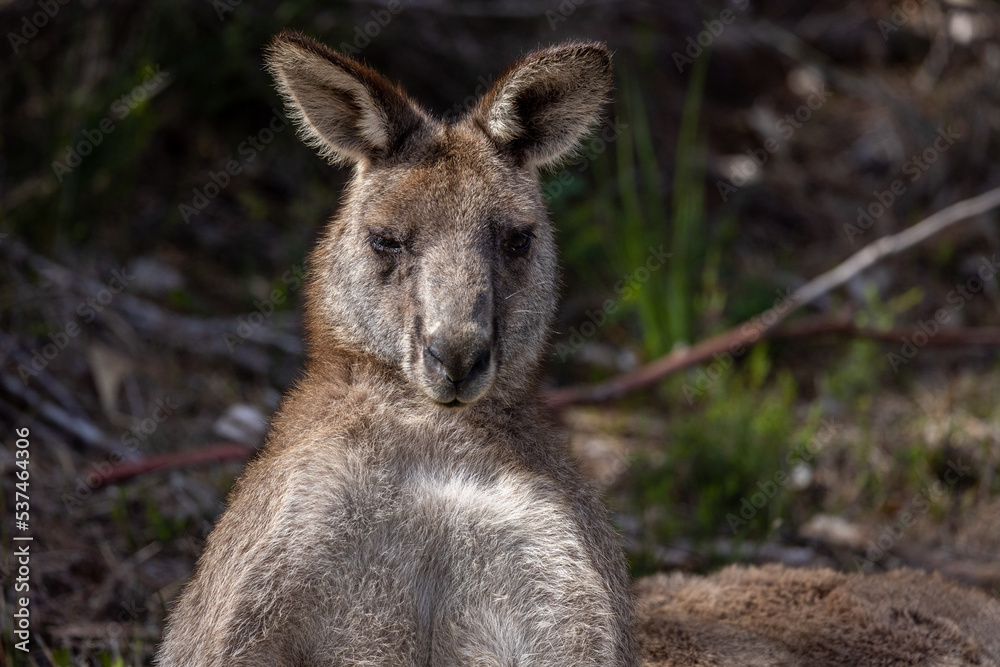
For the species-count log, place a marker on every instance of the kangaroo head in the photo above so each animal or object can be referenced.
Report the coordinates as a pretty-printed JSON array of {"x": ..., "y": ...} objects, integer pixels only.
[{"x": 441, "y": 262}]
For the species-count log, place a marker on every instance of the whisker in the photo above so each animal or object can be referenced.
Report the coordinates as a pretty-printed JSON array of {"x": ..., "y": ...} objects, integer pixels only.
[{"x": 544, "y": 283}]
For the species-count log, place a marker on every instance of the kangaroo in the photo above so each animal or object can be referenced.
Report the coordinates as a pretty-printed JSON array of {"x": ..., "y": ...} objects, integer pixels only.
[{"x": 411, "y": 505}]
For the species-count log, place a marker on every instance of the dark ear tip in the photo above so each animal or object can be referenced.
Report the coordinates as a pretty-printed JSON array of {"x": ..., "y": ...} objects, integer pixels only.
[
  {"x": 293, "y": 39},
  {"x": 600, "y": 52},
  {"x": 598, "y": 59},
  {"x": 287, "y": 37},
  {"x": 281, "y": 43},
  {"x": 596, "y": 54},
  {"x": 597, "y": 50}
]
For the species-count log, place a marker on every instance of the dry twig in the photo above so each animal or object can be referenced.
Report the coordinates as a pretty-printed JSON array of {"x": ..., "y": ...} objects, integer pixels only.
[
  {"x": 750, "y": 332},
  {"x": 219, "y": 452}
]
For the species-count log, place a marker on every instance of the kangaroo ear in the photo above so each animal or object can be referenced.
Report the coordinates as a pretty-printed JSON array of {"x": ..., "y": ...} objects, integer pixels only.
[
  {"x": 541, "y": 107},
  {"x": 347, "y": 111}
]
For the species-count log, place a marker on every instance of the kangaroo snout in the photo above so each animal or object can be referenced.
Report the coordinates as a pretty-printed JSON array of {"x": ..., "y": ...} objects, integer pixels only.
[
  {"x": 454, "y": 356},
  {"x": 456, "y": 367}
]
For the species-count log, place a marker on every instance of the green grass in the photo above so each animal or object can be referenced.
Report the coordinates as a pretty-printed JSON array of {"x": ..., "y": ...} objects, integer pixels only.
[
  {"x": 666, "y": 305},
  {"x": 722, "y": 469},
  {"x": 613, "y": 206},
  {"x": 721, "y": 454}
]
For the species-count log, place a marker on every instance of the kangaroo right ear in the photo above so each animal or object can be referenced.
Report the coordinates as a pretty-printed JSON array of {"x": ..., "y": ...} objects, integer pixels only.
[
  {"x": 345, "y": 110},
  {"x": 542, "y": 106}
]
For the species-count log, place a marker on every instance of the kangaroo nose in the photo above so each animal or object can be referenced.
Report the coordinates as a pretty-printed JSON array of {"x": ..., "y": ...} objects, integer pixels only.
[{"x": 456, "y": 364}]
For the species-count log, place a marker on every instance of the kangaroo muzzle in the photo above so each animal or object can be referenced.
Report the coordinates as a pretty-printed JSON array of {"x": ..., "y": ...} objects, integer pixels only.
[{"x": 457, "y": 362}]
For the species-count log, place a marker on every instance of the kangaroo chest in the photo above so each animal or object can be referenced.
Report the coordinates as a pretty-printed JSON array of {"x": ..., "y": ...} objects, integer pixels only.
[{"x": 454, "y": 557}]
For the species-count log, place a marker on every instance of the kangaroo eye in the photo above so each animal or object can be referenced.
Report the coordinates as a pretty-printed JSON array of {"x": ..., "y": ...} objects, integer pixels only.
[
  {"x": 518, "y": 242},
  {"x": 382, "y": 244}
]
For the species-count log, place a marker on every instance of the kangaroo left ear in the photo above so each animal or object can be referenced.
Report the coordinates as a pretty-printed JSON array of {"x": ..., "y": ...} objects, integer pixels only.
[
  {"x": 345, "y": 110},
  {"x": 542, "y": 106}
]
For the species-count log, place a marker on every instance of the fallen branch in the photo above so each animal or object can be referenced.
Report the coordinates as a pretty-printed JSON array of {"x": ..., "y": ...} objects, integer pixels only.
[
  {"x": 219, "y": 452},
  {"x": 894, "y": 244},
  {"x": 646, "y": 375},
  {"x": 742, "y": 336}
]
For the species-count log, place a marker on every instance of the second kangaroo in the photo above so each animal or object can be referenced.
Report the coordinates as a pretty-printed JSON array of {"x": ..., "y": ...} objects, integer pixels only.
[{"x": 412, "y": 505}]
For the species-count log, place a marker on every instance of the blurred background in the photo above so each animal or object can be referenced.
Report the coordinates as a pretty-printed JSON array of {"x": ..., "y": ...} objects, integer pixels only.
[{"x": 155, "y": 209}]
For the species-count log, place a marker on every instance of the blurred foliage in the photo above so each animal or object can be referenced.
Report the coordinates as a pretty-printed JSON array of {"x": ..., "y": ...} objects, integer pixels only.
[
  {"x": 629, "y": 205},
  {"x": 719, "y": 454},
  {"x": 742, "y": 460}
]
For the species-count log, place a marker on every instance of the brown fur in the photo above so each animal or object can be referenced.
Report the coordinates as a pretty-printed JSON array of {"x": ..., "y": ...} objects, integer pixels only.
[
  {"x": 411, "y": 505},
  {"x": 744, "y": 617}
]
